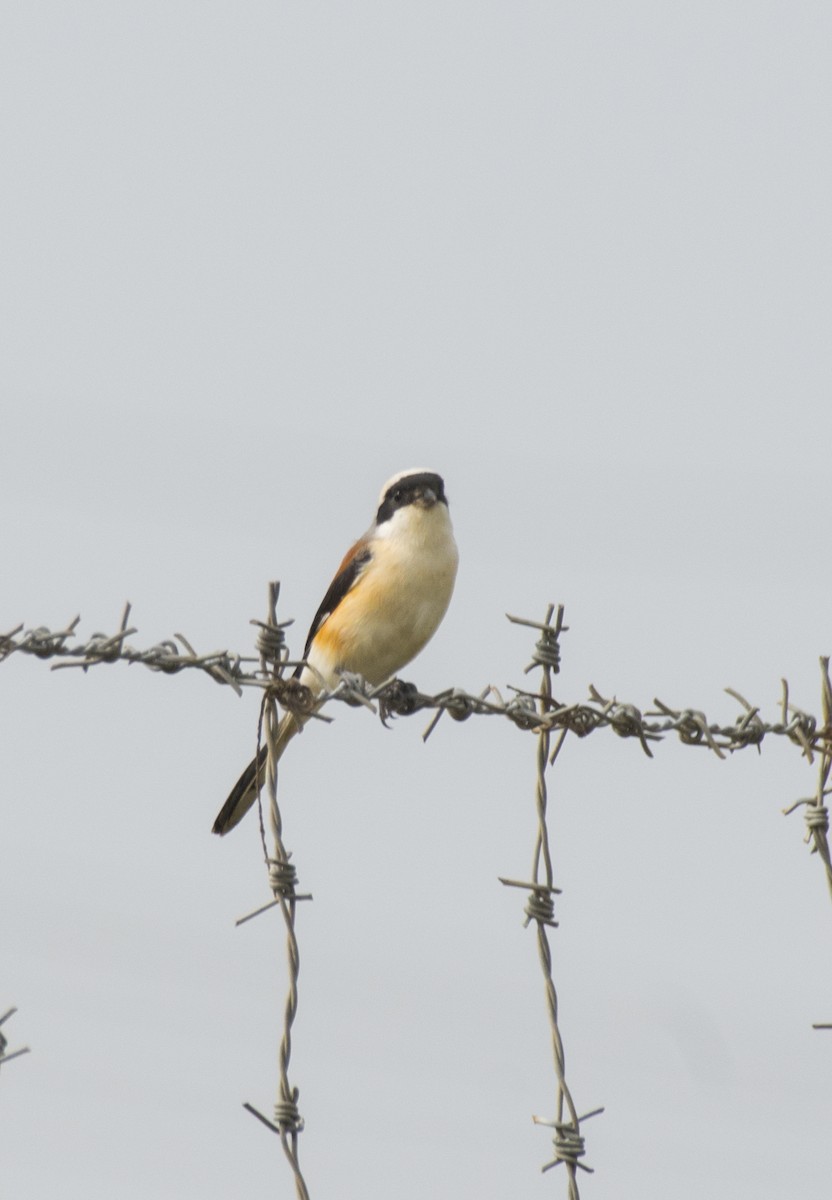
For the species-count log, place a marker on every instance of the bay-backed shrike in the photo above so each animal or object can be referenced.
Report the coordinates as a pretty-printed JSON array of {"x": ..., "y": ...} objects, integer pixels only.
[{"x": 383, "y": 606}]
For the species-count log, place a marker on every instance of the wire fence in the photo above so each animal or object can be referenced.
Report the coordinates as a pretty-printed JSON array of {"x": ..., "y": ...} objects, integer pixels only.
[{"x": 535, "y": 711}]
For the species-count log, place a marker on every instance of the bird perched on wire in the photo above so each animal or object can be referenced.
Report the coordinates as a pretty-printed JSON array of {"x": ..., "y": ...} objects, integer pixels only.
[{"x": 383, "y": 606}]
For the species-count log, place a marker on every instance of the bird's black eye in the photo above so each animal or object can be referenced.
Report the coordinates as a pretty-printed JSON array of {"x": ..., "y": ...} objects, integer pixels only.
[{"x": 397, "y": 495}]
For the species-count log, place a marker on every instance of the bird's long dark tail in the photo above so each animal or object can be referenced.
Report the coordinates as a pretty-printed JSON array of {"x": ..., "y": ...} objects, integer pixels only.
[{"x": 247, "y": 787}]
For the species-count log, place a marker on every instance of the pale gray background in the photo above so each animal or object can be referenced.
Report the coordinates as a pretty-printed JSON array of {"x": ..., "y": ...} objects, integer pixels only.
[{"x": 255, "y": 259}]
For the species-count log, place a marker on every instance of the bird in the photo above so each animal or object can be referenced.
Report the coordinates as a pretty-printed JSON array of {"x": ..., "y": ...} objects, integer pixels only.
[{"x": 387, "y": 600}]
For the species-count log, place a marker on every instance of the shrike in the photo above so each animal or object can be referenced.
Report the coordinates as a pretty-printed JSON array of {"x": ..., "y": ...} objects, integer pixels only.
[{"x": 383, "y": 606}]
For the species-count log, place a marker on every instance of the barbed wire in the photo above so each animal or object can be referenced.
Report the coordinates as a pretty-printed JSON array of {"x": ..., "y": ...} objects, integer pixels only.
[
  {"x": 288, "y": 1123},
  {"x": 528, "y": 710},
  {"x": 567, "y": 1140},
  {"x": 538, "y": 712}
]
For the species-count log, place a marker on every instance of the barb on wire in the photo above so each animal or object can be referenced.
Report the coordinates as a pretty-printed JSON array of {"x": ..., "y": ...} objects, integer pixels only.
[
  {"x": 4, "y": 1057},
  {"x": 816, "y": 813},
  {"x": 546, "y": 652}
]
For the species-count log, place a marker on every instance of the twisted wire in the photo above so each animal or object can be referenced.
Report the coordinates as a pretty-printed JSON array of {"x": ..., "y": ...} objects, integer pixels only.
[{"x": 399, "y": 699}]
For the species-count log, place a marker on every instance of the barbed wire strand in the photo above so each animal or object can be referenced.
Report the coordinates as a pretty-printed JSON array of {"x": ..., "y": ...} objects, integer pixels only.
[
  {"x": 4, "y": 1057},
  {"x": 288, "y": 1123},
  {"x": 567, "y": 1140},
  {"x": 403, "y": 699}
]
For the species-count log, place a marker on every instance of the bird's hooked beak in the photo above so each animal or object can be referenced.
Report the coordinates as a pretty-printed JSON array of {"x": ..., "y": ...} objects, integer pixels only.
[{"x": 427, "y": 497}]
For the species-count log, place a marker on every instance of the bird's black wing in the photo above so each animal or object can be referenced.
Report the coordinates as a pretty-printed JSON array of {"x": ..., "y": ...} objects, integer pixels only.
[{"x": 346, "y": 577}]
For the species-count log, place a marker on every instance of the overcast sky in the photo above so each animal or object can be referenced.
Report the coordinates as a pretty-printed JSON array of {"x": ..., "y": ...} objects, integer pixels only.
[{"x": 255, "y": 260}]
